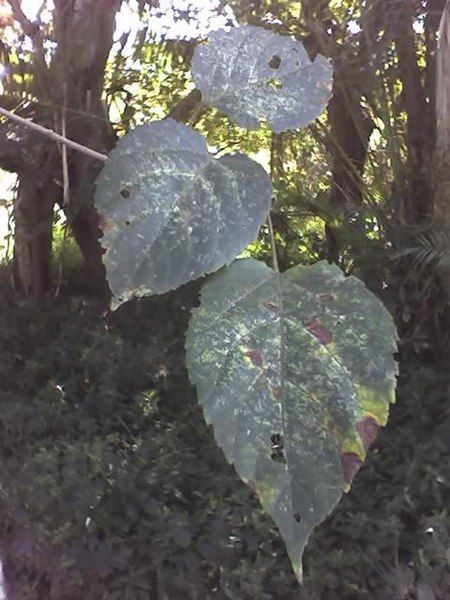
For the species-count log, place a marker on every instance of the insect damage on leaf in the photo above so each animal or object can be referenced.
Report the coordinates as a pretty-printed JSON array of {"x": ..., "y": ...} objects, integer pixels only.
[
  {"x": 367, "y": 429},
  {"x": 320, "y": 332},
  {"x": 171, "y": 212},
  {"x": 253, "y": 75},
  {"x": 298, "y": 424},
  {"x": 350, "y": 465},
  {"x": 255, "y": 357}
]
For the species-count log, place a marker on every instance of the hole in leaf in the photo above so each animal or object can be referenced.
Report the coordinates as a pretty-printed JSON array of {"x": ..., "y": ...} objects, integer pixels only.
[
  {"x": 297, "y": 517},
  {"x": 278, "y": 456},
  {"x": 127, "y": 222},
  {"x": 275, "y": 83},
  {"x": 275, "y": 62},
  {"x": 276, "y": 439},
  {"x": 125, "y": 193}
]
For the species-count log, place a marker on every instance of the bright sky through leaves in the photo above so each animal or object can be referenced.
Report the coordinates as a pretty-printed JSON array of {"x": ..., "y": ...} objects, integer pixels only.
[{"x": 174, "y": 19}]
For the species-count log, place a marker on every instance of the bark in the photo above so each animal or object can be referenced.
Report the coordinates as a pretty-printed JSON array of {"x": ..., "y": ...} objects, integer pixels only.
[
  {"x": 350, "y": 130},
  {"x": 187, "y": 106},
  {"x": 73, "y": 82},
  {"x": 418, "y": 200},
  {"x": 442, "y": 154},
  {"x": 33, "y": 240},
  {"x": 442, "y": 164},
  {"x": 350, "y": 127}
]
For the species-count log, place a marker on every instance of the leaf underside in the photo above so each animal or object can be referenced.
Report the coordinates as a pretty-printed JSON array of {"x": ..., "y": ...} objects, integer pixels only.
[
  {"x": 296, "y": 373},
  {"x": 252, "y": 74},
  {"x": 171, "y": 212}
]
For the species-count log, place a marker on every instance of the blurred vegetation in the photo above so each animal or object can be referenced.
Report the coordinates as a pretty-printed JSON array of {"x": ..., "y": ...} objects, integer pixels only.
[{"x": 112, "y": 486}]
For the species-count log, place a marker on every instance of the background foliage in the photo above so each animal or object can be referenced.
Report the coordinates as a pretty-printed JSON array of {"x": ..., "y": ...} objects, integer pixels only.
[{"x": 112, "y": 486}]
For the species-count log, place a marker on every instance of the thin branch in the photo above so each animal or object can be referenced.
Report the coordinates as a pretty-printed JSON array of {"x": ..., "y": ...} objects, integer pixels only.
[
  {"x": 184, "y": 109},
  {"x": 40, "y": 11},
  {"x": 65, "y": 163},
  {"x": 53, "y": 135},
  {"x": 33, "y": 31},
  {"x": 273, "y": 244},
  {"x": 28, "y": 27}
]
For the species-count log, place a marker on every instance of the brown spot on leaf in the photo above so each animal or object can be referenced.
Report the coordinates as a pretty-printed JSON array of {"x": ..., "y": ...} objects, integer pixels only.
[
  {"x": 272, "y": 306},
  {"x": 320, "y": 332},
  {"x": 367, "y": 430},
  {"x": 252, "y": 485},
  {"x": 255, "y": 356},
  {"x": 104, "y": 223},
  {"x": 350, "y": 463},
  {"x": 325, "y": 297},
  {"x": 276, "y": 392},
  {"x": 331, "y": 426}
]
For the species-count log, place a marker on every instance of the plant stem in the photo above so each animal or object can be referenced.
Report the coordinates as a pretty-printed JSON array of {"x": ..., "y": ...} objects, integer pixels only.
[
  {"x": 53, "y": 135},
  {"x": 273, "y": 244}
]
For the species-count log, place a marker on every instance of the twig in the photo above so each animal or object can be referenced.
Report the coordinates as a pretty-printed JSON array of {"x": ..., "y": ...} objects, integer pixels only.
[
  {"x": 53, "y": 135},
  {"x": 65, "y": 165},
  {"x": 66, "y": 187},
  {"x": 28, "y": 27},
  {"x": 40, "y": 11},
  {"x": 273, "y": 244},
  {"x": 33, "y": 31},
  {"x": 184, "y": 109}
]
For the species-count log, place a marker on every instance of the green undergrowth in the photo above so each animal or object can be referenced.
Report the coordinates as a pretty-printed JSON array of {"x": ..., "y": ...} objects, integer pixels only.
[{"x": 112, "y": 486}]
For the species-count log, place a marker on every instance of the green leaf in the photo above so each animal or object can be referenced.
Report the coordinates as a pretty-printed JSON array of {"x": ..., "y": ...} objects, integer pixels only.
[
  {"x": 296, "y": 374},
  {"x": 171, "y": 212},
  {"x": 251, "y": 74}
]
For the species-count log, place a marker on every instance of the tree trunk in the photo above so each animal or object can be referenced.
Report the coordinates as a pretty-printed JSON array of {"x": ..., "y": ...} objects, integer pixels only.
[
  {"x": 350, "y": 130},
  {"x": 442, "y": 154},
  {"x": 418, "y": 200},
  {"x": 33, "y": 214},
  {"x": 72, "y": 82}
]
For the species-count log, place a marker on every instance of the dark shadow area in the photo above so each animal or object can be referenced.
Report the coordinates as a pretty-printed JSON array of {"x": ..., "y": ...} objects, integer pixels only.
[{"x": 113, "y": 487}]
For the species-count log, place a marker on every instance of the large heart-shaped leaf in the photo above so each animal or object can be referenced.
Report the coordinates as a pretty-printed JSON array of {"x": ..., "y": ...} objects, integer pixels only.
[
  {"x": 296, "y": 373},
  {"x": 251, "y": 74},
  {"x": 171, "y": 212}
]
